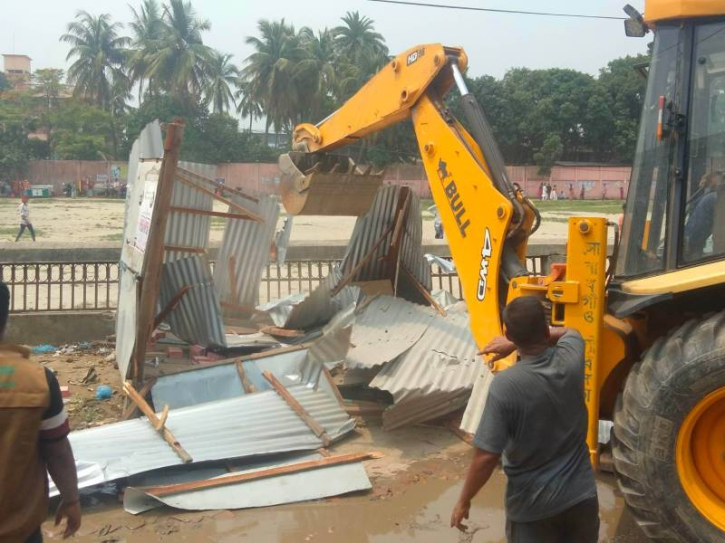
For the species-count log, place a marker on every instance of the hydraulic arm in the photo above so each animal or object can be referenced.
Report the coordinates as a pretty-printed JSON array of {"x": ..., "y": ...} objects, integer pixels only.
[{"x": 486, "y": 218}]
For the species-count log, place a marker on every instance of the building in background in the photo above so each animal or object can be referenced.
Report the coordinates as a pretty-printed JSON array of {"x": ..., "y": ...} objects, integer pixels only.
[{"x": 17, "y": 69}]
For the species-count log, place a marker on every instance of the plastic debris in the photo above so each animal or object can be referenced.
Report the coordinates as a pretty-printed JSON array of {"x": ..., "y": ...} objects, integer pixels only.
[
  {"x": 44, "y": 349},
  {"x": 104, "y": 392}
]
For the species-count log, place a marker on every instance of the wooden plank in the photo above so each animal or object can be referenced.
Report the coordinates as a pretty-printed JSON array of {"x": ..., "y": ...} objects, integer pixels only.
[
  {"x": 297, "y": 408},
  {"x": 281, "y": 332},
  {"x": 211, "y": 213},
  {"x": 262, "y": 474},
  {"x": 196, "y": 250},
  {"x": 176, "y": 300},
  {"x": 155, "y": 422},
  {"x": 422, "y": 290},
  {"x": 131, "y": 409},
  {"x": 362, "y": 408},
  {"x": 154, "y": 252},
  {"x": 248, "y": 387},
  {"x": 396, "y": 242},
  {"x": 232, "y": 205},
  {"x": 183, "y": 172},
  {"x": 335, "y": 390},
  {"x": 162, "y": 419},
  {"x": 367, "y": 258}
]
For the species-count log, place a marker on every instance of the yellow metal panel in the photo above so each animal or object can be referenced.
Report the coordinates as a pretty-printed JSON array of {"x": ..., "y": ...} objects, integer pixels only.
[
  {"x": 474, "y": 214},
  {"x": 659, "y": 10},
  {"x": 383, "y": 101},
  {"x": 683, "y": 280},
  {"x": 585, "y": 264}
]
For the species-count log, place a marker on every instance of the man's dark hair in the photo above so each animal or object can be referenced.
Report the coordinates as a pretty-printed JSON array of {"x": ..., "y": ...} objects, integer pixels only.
[
  {"x": 525, "y": 320},
  {"x": 4, "y": 307}
]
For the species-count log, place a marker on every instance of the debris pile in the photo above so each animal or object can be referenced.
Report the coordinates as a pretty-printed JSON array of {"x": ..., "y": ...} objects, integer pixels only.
[{"x": 238, "y": 399}]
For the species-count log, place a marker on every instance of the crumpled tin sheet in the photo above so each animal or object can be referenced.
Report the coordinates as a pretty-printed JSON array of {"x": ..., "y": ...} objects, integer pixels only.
[
  {"x": 247, "y": 243},
  {"x": 370, "y": 228},
  {"x": 242, "y": 427},
  {"x": 187, "y": 229},
  {"x": 314, "y": 484},
  {"x": 197, "y": 318},
  {"x": 442, "y": 364},
  {"x": 384, "y": 329}
]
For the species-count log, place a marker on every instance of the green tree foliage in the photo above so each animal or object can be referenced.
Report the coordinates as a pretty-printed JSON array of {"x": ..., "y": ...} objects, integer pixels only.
[
  {"x": 82, "y": 132},
  {"x": 97, "y": 72},
  {"x": 4, "y": 83},
  {"x": 221, "y": 76},
  {"x": 549, "y": 152},
  {"x": 17, "y": 122}
]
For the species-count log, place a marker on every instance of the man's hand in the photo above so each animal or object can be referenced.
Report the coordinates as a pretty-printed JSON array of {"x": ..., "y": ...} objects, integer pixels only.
[
  {"x": 460, "y": 512},
  {"x": 499, "y": 347},
  {"x": 72, "y": 514}
]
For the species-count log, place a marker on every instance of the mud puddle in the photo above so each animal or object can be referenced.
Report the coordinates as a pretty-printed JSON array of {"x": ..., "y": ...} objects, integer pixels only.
[{"x": 418, "y": 513}]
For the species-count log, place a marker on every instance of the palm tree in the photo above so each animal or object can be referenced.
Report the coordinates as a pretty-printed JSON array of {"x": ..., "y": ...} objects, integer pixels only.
[
  {"x": 99, "y": 54},
  {"x": 270, "y": 72},
  {"x": 179, "y": 62},
  {"x": 146, "y": 27},
  {"x": 220, "y": 76},
  {"x": 316, "y": 73},
  {"x": 247, "y": 105},
  {"x": 357, "y": 38}
]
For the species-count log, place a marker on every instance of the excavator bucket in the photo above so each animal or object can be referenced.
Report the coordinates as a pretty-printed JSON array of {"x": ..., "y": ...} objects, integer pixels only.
[{"x": 319, "y": 184}]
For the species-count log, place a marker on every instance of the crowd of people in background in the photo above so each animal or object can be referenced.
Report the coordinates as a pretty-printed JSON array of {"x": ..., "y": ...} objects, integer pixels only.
[{"x": 547, "y": 191}]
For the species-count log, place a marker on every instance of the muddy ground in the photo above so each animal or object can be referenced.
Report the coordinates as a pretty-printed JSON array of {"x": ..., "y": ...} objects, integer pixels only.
[
  {"x": 415, "y": 485},
  {"x": 101, "y": 220}
]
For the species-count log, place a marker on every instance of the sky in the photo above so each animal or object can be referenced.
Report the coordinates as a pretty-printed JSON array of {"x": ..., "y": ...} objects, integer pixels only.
[{"x": 494, "y": 42}]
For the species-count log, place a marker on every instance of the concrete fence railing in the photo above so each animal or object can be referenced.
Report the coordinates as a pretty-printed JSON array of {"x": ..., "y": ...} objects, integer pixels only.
[{"x": 62, "y": 278}]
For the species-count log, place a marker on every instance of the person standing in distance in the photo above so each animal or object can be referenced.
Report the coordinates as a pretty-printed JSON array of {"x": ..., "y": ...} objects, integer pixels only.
[
  {"x": 33, "y": 443},
  {"x": 535, "y": 416},
  {"x": 24, "y": 212}
]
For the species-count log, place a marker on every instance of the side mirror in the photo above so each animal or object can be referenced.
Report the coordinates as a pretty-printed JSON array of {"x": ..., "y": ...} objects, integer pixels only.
[{"x": 634, "y": 29}]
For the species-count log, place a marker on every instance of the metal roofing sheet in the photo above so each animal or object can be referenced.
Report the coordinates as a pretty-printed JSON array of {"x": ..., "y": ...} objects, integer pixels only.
[
  {"x": 187, "y": 229},
  {"x": 384, "y": 329},
  {"x": 289, "y": 488},
  {"x": 443, "y": 360},
  {"x": 435, "y": 376},
  {"x": 254, "y": 424},
  {"x": 477, "y": 402},
  {"x": 247, "y": 244},
  {"x": 369, "y": 228},
  {"x": 197, "y": 318},
  {"x": 420, "y": 407}
]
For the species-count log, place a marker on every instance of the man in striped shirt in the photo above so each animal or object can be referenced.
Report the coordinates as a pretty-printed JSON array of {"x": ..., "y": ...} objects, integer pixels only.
[{"x": 33, "y": 441}]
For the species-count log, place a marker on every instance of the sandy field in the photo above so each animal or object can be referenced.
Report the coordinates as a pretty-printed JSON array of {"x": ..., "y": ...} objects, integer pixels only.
[
  {"x": 415, "y": 486},
  {"x": 90, "y": 220}
]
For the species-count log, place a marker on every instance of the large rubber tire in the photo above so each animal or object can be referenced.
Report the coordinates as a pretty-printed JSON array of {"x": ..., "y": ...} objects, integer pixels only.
[{"x": 677, "y": 372}]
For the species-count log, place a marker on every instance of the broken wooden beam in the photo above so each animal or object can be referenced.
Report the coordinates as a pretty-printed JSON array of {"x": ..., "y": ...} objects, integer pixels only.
[
  {"x": 246, "y": 216},
  {"x": 176, "y": 300},
  {"x": 183, "y": 172},
  {"x": 424, "y": 292},
  {"x": 298, "y": 467},
  {"x": 162, "y": 419},
  {"x": 132, "y": 408},
  {"x": 156, "y": 422},
  {"x": 248, "y": 387},
  {"x": 297, "y": 408},
  {"x": 201, "y": 188},
  {"x": 335, "y": 390}
]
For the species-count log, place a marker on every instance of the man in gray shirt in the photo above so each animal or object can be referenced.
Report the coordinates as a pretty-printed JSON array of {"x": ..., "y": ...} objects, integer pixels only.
[{"x": 536, "y": 417}]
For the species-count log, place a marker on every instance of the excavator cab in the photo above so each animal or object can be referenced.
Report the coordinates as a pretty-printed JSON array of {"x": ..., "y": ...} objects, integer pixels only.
[{"x": 668, "y": 440}]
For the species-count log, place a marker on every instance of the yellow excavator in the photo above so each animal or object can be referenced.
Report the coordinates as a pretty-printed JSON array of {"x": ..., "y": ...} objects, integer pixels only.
[{"x": 653, "y": 317}]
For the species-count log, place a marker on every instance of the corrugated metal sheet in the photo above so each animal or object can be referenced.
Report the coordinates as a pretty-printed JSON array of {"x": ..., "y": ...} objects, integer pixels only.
[
  {"x": 384, "y": 329},
  {"x": 254, "y": 424},
  {"x": 419, "y": 407},
  {"x": 477, "y": 402},
  {"x": 149, "y": 146},
  {"x": 187, "y": 229},
  {"x": 248, "y": 243},
  {"x": 197, "y": 318},
  {"x": 318, "y": 307},
  {"x": 290, "y": 488},
  {"x": 208, "y": 171},
  {"x": 443, "y": 361},
  {"x": 368, "y": 230}
]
